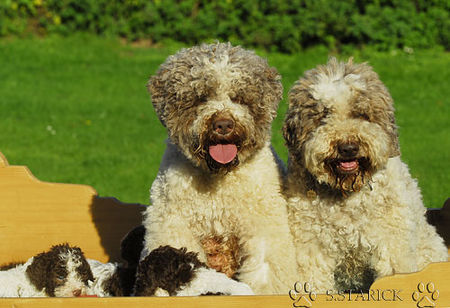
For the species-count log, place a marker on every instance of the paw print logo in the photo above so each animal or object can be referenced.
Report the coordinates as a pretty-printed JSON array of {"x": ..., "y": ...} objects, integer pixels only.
[
  {"x": 425, "y": 296},
  {"x": 302, "y": 295}
]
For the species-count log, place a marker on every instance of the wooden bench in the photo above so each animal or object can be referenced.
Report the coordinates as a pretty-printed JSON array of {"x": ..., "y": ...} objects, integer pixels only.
[{"x": 35, "y": 215}]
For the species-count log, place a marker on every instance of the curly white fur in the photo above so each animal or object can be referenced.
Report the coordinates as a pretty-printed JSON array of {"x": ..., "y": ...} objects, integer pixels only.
[
  {"x": 102, "y": 272},
  {"x": 15, "y": 283},
  {"x": 189, "y": 202},
  {"x": 209, "y": 281},
  {"x": 347, "y": 235}
]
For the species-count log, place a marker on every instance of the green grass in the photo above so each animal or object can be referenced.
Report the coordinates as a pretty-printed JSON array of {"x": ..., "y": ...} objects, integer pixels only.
[{"x": 76, "y": 110}]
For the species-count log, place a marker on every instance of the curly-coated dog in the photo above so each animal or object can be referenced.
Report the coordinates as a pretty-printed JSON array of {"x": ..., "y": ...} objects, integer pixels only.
[
  {"x": 168, "y": 271},
  {"x": 355, "y": 212},
  {"x": 218, "y": 190},
  {"x": 62, "y": 272}
]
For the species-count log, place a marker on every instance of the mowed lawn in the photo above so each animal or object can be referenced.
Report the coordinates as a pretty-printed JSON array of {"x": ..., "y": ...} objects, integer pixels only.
[{"x": 76, "y": 110}]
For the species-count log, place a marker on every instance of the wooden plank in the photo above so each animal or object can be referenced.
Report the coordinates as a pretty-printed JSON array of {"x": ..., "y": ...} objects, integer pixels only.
[{"x": 36, "y": 215}]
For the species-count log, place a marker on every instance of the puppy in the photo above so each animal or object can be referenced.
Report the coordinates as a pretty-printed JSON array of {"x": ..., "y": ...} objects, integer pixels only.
[
  {"x": 62, "y": 272},
  {"x": 355, "y": 212},
  {"x": 168, "y": 271},
  {"x": 219, "y": 181}
]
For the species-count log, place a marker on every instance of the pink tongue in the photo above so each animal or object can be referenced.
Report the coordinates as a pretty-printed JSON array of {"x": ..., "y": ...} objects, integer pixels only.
[
  {"x": 223, "y": 153},
  {"x": 349, "y": 165}
]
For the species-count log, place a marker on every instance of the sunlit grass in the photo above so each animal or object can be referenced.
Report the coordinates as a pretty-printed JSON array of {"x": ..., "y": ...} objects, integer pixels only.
[{"x": 76, "y": 110}]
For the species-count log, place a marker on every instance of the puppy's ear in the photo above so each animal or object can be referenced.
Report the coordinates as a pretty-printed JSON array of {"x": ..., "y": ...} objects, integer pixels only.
[
  {"x": 84, "y": 269},
  {"x": 37, "y": 271}
]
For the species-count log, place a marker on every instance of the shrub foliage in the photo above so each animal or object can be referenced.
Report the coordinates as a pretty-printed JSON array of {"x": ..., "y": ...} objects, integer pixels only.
[{"x": 277, "y": 25}]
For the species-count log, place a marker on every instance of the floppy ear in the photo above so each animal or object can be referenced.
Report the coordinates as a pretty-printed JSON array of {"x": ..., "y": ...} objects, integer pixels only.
[
  {"x": 381, "y": 108},
  {"x": 291, "y": 127},
  {"x": 385, "y": 116},
  {"x": 393, "y": 133},
  {"x": 273, "y": 92},
  {"x": 156, "y": 87},
  {"x": 37, "y": 271},
  {"x": 290, "y": 130},
  {"x": 84, "y": 269}
]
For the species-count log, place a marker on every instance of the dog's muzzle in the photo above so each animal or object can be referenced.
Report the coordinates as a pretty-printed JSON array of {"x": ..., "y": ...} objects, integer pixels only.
[{"x": 348, "y": 162}]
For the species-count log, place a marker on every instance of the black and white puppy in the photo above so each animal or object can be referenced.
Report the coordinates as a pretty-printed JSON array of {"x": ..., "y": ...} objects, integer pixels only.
[
  {"x": 62, "y": 272},
  {"x": 168, "y": 271}
]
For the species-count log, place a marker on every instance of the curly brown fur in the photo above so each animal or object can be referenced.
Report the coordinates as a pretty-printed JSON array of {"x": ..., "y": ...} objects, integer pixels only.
[
  {"x": 222, "y": 254},
  {"x": 167, "y": 268},
  {"x": 360, "y": 98},
  {"x": 48, "y": 271},
  {"x": 187, "y": 85}
]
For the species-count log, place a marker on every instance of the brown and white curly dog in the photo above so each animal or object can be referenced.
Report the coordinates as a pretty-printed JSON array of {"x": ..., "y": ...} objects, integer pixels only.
[
  {"x": 355, "y": 212},
  {"x": 218, "y": 190}
]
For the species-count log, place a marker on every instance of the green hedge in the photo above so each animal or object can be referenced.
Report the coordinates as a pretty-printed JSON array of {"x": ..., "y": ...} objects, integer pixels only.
[{"x": 281, "y": 25}]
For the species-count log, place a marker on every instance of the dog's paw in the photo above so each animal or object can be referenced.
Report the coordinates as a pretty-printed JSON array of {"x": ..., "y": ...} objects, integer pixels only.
[
  {"x": 208, "y": 281},
  {"x": 238, "y": 288}
]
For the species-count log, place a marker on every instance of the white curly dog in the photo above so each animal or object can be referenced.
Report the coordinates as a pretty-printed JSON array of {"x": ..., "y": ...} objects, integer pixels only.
[
  {"x": 355, "y": 212},
  {"x": 218, "y": 190}
]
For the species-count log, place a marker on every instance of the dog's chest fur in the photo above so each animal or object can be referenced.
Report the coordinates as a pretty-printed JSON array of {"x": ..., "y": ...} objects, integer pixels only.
[
  {"x": 347, "y": 233},
  {"x": 214, "y": 203},
  {"x": 348, "y": 228}
]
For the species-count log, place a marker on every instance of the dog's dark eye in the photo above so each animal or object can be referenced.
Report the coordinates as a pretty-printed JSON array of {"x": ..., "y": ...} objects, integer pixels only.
[
  {"x": 60, "y": 279},
  {"x": 237, "y": 100},
  {"x": 363, "y": 116},
  {"x": 202, "y": 99}
]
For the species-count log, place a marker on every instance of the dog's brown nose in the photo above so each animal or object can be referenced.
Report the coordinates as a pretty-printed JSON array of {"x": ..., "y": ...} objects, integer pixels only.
[
  {"x": 223, "y": 126},
  {"x": 348, "y": 150},
  {"x": 76, "y": 292}
]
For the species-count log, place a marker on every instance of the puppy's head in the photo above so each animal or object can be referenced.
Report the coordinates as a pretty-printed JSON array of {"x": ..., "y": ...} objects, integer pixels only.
[
  {"x": 340, "y": 125},
  {"x": 62, "y": 271},
  {"x": 217, "y": 103},
  {"x": 165, "y": 268}
]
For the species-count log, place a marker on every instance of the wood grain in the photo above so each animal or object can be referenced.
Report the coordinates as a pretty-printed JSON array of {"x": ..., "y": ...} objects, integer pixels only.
[{"x": 36, "y": 215}]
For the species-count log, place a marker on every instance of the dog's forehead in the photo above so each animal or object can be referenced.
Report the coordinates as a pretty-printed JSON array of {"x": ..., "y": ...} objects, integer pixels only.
[
  {"x": 71, "y": 258},
  {"x": 224, "y": 72},
  {"x": 336, "y": 89}
]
